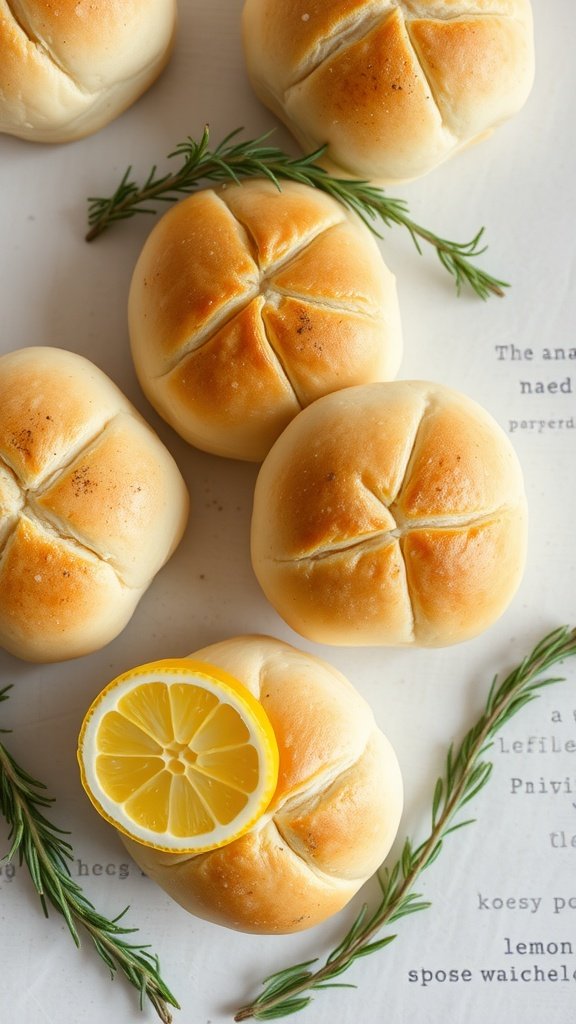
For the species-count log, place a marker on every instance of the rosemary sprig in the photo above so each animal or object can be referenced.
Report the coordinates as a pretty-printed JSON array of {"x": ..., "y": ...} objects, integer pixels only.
[
  {"x": 38, "y": 843},
  {"x": 467, "y": 772},
  {"x": 232, "y": 161}
]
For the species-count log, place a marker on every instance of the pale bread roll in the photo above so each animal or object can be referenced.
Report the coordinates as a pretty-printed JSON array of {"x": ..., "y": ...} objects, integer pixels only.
[
  {"x": 390, "y": 514},
  {"x": 334, "y": 815},
  {"x": 91, "y": 505},
  {"x": 68, "y": 68},
  {"x": 393, "y": 88},
  {"x": 249, "y": 302}
]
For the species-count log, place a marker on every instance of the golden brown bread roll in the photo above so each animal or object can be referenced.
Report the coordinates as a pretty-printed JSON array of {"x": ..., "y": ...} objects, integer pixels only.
[
  {"x": 247, "y": 303},
  {"x": 390, "y": 514},
  {"x": 393, "y": 88},
  {"x": 334, "y": 815},
  {"x": 91, "y": 505},
  {"x": 67, "y": 69}
]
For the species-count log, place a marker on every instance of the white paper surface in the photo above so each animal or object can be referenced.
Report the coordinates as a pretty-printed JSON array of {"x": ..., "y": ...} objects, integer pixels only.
[{"x": 503, "y": 891}]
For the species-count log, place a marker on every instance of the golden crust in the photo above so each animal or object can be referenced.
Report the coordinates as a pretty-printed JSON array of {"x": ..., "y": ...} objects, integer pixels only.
[
  {"x": 38, "y": 430},
  {"x": 301, "y": 333},
  {"x": 69, "y": 68},
  {"x": 379, "y": 79},
  {"x": 91, "y": 505},
  {"x": 459, "y": 465},
  {"x": 460, "y": 578},
  {"x": 248, "y": 303},
  {"x": 255, "y": 884},
  {"x": 320, "y": 828},
  {"x": 340, "y": 268},
  {"x": 489, "y": 53},
  {"x": 291, "y": 35},
  {"x": 194, "y": 267},
  {"x": 57, "y": 600},
  {"x": 357, "y": 596},
  {"x": 114, "y": 494},
  {"x": 334, "y": 815},
  {"x": 235, "y": 379},
  {"x": 280, "y": 222},
  {"x": 390, "y": 514},
  {"x": 392, "y": 89}
]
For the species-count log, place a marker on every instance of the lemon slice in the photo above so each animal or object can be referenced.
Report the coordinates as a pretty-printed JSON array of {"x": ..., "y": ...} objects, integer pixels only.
[{"x": 178, "y": 755}]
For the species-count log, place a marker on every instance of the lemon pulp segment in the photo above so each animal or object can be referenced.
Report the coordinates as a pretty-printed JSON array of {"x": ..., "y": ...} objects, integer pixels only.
[{"x": 179, "y": 756}]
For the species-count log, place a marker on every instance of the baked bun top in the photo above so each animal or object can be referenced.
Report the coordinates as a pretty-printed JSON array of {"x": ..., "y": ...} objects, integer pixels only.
[
  {"x": 67, "y": 69},
  {"x": 248, "y": 303},
  {"x": 91, "y": 505},
  {"x": 333, "y": 817},
  {"x": 393, "y": 88},
  {"x": 390, "y": 514}
]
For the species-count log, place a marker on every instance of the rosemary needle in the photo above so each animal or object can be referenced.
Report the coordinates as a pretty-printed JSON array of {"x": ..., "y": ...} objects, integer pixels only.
[
  {"x": 38, "y": 843},
  {"x": 467, "y": 772},
  {"x": 232, "y": 160}
]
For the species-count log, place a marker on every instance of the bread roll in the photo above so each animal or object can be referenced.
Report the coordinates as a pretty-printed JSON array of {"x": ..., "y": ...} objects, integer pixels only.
[
  {"x": 390, "y": 514},
  {"x": 393, "y": 89},
  {"x": 91, "y": 505},
  {"x": 334, "y": 815},
  {"x": 68, "y": 68},
  {"x": 248, "y": 302}
]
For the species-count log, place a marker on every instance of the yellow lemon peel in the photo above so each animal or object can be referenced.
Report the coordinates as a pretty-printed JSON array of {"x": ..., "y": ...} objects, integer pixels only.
[{"x": 178, "y": 755}]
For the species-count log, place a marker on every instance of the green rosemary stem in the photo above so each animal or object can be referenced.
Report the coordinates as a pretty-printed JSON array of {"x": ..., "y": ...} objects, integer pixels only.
[
  {"x": 465, "y": 775},
  {"x": 231, "y": 161},
  {"x": 38, "y": 844}
]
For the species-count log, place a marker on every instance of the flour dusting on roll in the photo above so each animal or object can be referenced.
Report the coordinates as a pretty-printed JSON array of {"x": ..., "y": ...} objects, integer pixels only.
[
  {"x": 390, "y": 514},
  {"x": 392, "y": 88},
  {"x": 334, "y": 815}
]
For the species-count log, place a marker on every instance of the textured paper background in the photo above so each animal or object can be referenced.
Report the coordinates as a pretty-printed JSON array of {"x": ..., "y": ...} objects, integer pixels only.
[{"x": 57, "y": 290}]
